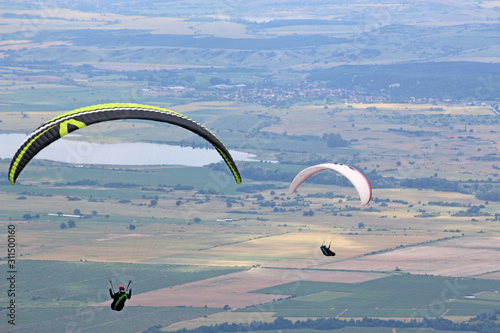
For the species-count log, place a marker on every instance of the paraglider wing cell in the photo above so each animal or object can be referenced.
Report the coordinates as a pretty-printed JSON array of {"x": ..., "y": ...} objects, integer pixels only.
[
  {"x": 358, "y": 179},
  {"x": 68, "y": 122}
]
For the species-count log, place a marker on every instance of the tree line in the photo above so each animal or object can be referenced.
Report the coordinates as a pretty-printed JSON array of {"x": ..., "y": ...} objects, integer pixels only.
[
  {"x": 487, "y": 191},
  {"x": 483, "y": 323}
]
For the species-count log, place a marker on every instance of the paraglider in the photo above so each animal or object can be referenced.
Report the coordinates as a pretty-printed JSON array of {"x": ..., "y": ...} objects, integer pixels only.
[
  {"x": 358, "y": 179},
  {"x": 120, "y": 297},
  {"x": 71, "y": 121},
  {"x": 326, "y": 250},
  {"x": 66, "y": 123}
]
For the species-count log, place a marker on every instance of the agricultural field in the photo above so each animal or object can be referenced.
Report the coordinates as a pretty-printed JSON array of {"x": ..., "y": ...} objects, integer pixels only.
[
  {"x": 411, "y": 237},
  {"x": 382, "y": 87}
]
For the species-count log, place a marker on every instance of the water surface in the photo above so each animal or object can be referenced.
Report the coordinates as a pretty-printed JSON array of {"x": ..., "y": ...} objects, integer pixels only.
[{"x": 135, "y": 153}]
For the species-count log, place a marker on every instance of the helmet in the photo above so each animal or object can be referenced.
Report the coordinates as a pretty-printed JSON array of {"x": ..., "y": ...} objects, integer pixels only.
[{"x": 122, "y": 287}]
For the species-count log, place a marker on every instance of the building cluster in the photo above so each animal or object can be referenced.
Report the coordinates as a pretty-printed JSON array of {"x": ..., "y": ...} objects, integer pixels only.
[{"x": 279, "y": 96}]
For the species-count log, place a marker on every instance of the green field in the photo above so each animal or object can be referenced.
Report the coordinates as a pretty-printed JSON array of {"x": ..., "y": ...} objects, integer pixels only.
[
  {"x": 98, "y": 319},
  {"x": 68, "y": 294},
  {"x": 405, "y": 296}
]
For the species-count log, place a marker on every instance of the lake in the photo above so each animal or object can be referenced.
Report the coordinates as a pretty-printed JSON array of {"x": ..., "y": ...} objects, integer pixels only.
[{"x": 136, "y": 153}]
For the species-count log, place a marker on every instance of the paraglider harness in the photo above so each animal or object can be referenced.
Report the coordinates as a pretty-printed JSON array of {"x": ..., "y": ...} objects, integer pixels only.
[
  {"x": 119, "y": 298},
  {"x": 326, "y": 250}
]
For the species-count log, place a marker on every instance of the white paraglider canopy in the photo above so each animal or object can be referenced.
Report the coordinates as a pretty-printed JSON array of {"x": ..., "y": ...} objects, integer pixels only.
[{"x": 358, "y": 179}]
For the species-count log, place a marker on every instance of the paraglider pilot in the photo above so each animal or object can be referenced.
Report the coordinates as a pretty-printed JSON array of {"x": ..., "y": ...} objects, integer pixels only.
[
  {"x": 120, "y": 297},
  {"x": 326, "y": 250}
]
